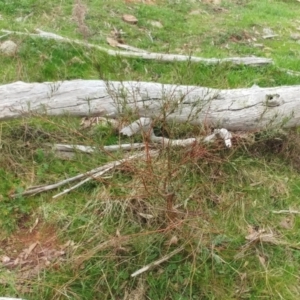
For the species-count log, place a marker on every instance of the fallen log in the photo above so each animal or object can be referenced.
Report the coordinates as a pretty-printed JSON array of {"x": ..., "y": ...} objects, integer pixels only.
[{"x": 236, "y": 109}]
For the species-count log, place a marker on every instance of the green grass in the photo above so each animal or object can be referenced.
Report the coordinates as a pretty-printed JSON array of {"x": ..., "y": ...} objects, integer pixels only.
[{"x": 119, "y": 223}]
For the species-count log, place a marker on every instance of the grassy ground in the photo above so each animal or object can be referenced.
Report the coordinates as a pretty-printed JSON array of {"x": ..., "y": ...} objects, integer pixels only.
[{"x": 213, "y": 201}]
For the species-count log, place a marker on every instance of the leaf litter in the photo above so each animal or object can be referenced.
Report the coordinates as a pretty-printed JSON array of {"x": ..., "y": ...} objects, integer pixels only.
[
  {"x": 260, "y": 236},
  {"x": 29, "y": 252}
]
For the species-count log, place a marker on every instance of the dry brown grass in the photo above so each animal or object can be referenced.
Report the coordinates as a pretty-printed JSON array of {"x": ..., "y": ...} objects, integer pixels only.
[{"x": 79, "y": 13}]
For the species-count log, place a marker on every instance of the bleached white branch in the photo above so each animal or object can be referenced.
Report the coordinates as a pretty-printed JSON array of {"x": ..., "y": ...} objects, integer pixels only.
[
  {"x": 44, "y": 188},
  {"x": 252, "y": 60},
  {"x": 142, "y": 125},
  {"x": 94, "y": 173},
  {"x": 145, "y": 126},
  {"x": 223, "y": 133},
  {"x": 286, "y": 211},
  {"x": 131, "y": 48},
  {"x": 9, "y": 298},
  {"x": 171, "y": 142},
  {"x": 139, "y": 126},
  {"x": 93, "y": 176},
  {"x": 89, "y": 149}
]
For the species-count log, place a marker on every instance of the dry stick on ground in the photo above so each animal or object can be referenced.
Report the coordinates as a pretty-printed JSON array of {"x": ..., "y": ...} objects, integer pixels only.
[
  {"x": 252, "y": 60},
  {"x": 8, "y": 298},
  {"x": 88, "y": 176},
  {"x": 144, "y": 124},
  {"x": 226, "y": 136},
  {"x": 44, "y": 188},
  {"x": 286, "y": 211},
  {"x": 157, "y": 142},
  {"x": 107, "y": 168},
  {"x": 89, "y": 149},
  {"x": 93, "y": 176},
  {"x": 131, "y": 48},
  {"x": 157, "y": 262}
]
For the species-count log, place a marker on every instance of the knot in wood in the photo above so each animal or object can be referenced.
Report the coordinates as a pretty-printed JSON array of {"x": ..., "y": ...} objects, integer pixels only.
[{"x": 273, "y": 100}]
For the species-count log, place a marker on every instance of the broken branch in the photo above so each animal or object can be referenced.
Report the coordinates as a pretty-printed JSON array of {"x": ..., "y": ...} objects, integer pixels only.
[
  {"x": 252, "y": 60},
  {"x": 94, "y": 173}
]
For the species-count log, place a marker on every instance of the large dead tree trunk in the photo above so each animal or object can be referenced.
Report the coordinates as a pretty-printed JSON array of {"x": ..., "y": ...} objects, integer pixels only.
[{"x": 237, "y": 109}]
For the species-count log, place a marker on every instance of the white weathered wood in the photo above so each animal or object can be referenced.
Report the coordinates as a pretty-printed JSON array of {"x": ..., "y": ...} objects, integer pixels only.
[
  {"x": 87, "y": 176},
  {"x": 144, "y": 127},
  {"x": 252, "y": 60},
  {"x": 9, "y": 298},
  {"x": 237, "y": 109},
  {"x": 286, "y": 211},
  {"x": 89, "y": 149}
]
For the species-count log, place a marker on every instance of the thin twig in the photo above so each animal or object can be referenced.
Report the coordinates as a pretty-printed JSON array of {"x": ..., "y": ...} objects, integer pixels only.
[
  {"x": 87, "y": 175},
  {"x": 86, "y": 180},
  {"x": 157, "y": 262},
  {"x": 2, "y": 36},
  {"x": 43, "y": 188},
  {"x": 286, "y": 211}
]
